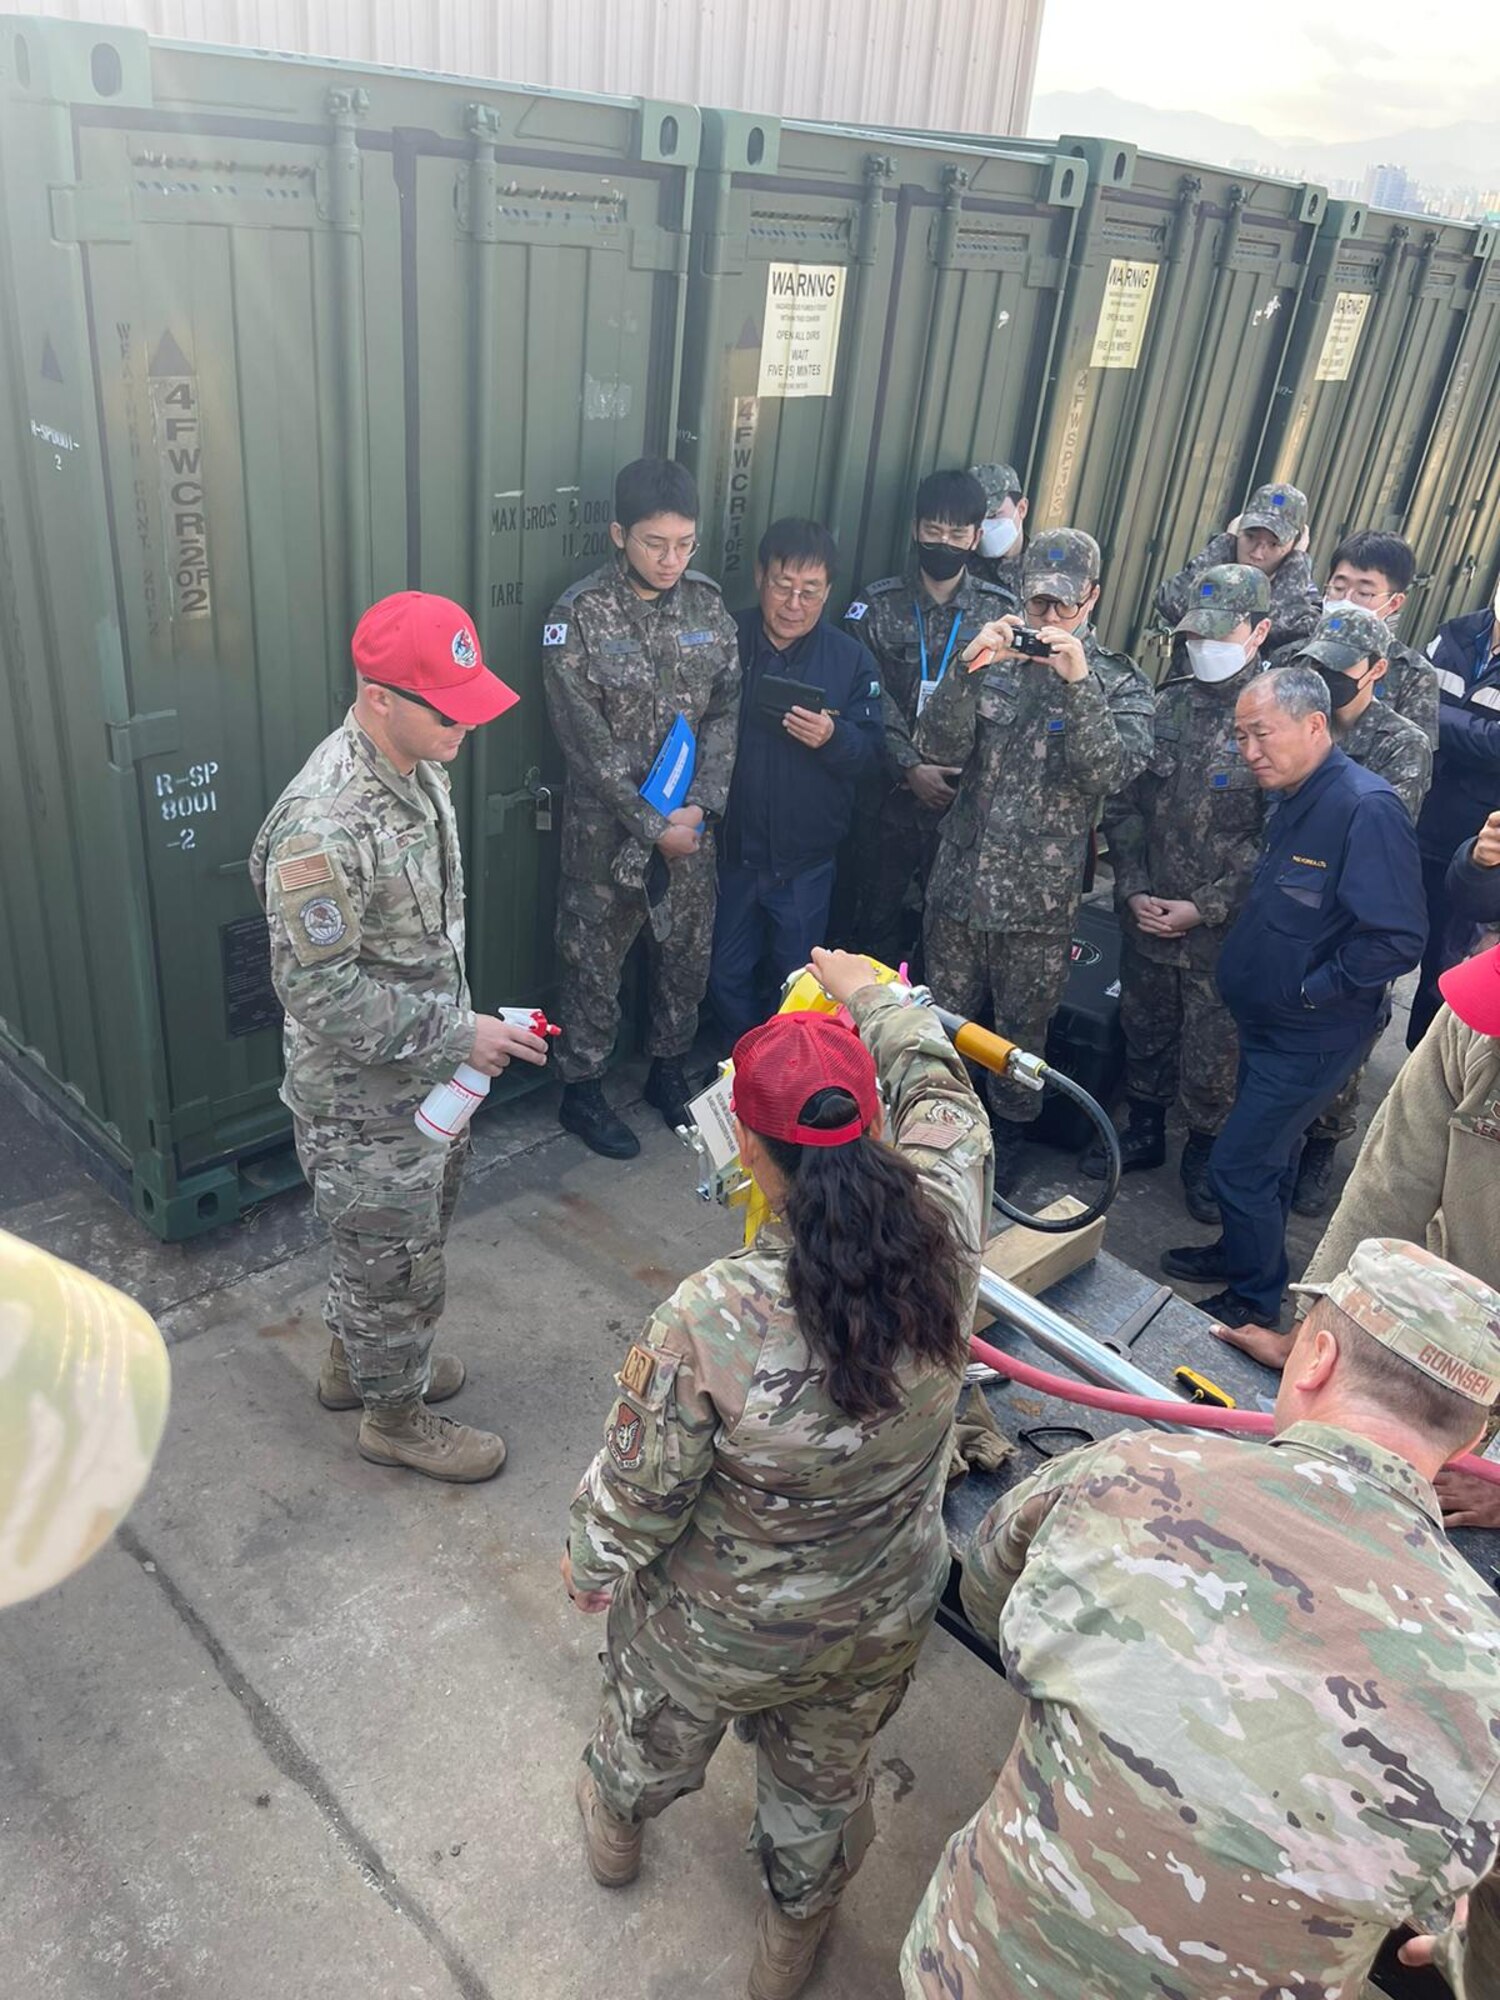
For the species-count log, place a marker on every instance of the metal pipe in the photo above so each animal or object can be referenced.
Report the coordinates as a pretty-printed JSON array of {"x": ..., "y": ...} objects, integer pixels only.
[
  {"x": 483, "y": 122},
  {"x": 345, "y": 207},
  {"x": 880, "y": 169},
  {"x": 1065, "y": 1342},
  {"x": 1026, "y": 463},
  {"x": 955, "y": 180}
]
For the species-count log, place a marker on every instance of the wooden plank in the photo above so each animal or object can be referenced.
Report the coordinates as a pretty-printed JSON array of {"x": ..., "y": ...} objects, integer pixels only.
[{"x": 1032, "y": 1260}]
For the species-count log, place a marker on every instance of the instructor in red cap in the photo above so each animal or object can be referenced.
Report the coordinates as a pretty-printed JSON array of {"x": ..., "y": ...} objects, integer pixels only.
[
  {"x": 764, "y": 1522},
  {"x": 359, "y": 872}
]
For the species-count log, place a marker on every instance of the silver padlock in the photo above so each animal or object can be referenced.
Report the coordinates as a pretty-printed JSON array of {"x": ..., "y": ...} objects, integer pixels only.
[{"x": 543, "y": 809}]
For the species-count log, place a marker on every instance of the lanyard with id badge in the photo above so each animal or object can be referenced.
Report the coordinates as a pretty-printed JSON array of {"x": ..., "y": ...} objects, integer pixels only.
[{"x": 926, "y": 685}]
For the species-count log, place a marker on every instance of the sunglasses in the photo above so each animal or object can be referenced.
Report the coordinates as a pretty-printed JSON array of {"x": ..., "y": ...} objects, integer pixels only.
[{"x": 417, "y": 702}]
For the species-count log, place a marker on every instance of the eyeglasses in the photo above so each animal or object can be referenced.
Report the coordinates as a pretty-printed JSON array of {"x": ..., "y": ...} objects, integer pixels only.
[
  {"x": 655, "y": 546},
  {"x": 1042, "y": 610},
  {"x": 944, "y": 531},
  {"x": 417, "y": 702},
  {"x": 787, "y": 592}
]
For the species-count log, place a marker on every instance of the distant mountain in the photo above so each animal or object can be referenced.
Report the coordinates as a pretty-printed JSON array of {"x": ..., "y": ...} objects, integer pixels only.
[{"x": 1459, "y": 155}]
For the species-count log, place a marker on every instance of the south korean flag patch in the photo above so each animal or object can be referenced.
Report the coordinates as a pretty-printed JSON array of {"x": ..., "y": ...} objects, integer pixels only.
[
  {"x": 554, "y": 635},
  {"x": 856, "y": 611}
]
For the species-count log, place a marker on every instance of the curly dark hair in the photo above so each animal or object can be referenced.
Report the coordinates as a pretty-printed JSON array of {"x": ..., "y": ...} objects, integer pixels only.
[{"x": 875, "y": 1273}]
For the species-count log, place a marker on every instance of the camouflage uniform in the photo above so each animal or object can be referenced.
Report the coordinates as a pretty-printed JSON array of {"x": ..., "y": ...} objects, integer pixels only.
[
  {"x": 1187, "y": 829},
  {"x": 359, "y": 872},
  {"x": 1296, "y": 604},
  {"x": 1039, "y": 755},
  {"x": 1385, "y": 742},
  {"x": 897, "y": 836},
  {"x": 773, "y": 1557},
  {"x": 1410, "y": 687},
  {"x": 1000, "y": 483},
  {"x": 1263, "y": 1704},
  {"x": 619, "y": 670}
]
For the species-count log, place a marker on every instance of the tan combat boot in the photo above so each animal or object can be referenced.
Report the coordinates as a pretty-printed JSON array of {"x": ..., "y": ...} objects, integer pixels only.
[
  {"x": 614, "y": 1844},
  {"x": 412, "y": 1436},
  {"x": 336, "y": 1390},
  {"x": 785, "y": 1948}
]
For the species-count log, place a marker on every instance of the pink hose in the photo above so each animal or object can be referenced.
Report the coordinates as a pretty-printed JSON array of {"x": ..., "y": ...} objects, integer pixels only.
[{"x": 1197, "y": 1416}]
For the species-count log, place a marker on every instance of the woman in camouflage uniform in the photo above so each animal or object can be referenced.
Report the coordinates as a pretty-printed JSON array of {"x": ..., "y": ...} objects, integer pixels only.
[{"x": 764, "y": 1521}]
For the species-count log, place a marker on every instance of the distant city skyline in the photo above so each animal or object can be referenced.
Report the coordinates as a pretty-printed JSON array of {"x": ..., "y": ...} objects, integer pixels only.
[{"x": 1327, "y": 73}]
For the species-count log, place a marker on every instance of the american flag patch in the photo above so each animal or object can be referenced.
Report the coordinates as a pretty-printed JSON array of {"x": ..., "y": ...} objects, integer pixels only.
[{"x": 302, "y": 872}]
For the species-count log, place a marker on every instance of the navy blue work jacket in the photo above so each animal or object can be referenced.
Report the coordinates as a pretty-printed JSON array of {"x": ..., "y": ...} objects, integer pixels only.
[
  {"x": 1335, "y": 913},
  {"x": 1466, "y": 769},
  {"x": 789, "y": 807}
]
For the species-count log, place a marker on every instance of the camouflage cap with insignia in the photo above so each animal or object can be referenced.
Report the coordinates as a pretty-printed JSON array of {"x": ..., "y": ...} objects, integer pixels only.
[
  {"x": 1433, "y": 1315},
  {"x": 1000, "y": 483},
  {"x": 1227, "y": 596},
  {"x": 1280, "y": 509},
  {"x": 1346, "y": 638},
  {"x": 1063, "y": 563}
]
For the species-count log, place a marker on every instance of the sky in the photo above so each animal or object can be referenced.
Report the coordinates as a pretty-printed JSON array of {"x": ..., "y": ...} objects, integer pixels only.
[{"x": 1330, "y": 69}]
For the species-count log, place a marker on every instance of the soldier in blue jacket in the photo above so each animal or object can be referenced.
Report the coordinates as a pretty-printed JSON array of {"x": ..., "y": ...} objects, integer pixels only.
[
  {"x": 1465, "y": 784},
  {"x": 792, "y": 795},
  {"x": 1334, "y": 914}
]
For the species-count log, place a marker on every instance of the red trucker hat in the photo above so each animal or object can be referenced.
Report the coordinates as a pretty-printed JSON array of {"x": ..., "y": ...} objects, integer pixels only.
[
  {"x": 1472, "y": 990},
  {"x": 790, "y": 1058},
  {"x": 428, "y": 646}
]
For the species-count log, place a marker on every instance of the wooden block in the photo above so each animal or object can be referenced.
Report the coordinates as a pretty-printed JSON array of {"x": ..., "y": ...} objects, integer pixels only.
[{"x": 1032, "y": 1260}]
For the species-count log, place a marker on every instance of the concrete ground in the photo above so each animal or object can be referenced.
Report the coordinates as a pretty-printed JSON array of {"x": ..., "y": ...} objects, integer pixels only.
[{"x": 308, "y": 1727}]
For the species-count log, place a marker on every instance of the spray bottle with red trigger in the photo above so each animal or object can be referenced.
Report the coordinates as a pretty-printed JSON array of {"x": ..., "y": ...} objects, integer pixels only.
[{"x": 447, "y": 1108}]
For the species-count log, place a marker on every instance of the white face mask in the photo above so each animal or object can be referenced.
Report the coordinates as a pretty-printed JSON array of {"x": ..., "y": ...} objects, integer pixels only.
[
  {"x": 1215, "y": 659},
  {"x": 1332, "y": 604},
  {"x": 997, "y": 537}
]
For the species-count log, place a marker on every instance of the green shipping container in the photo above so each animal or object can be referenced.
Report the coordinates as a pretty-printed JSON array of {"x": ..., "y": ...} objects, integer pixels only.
[{"x": 277, "y": 338}]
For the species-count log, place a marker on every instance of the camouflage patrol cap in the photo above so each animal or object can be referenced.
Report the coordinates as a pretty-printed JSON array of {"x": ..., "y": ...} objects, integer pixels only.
[
  {"x": 1063, "y": 563},
  {"x": 1000, "y": 483},
  {"x": 1433, "y": 1315},
  {"x": 1227, "y": 596},
  {"x": 1281, "y": 509},
  {"x": 83, "y": 1402},
  {"x": 1346, "y": 638}
]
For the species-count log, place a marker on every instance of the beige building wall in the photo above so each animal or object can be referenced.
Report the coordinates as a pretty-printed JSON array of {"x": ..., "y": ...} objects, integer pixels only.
[{"x": 948, "y": 65}]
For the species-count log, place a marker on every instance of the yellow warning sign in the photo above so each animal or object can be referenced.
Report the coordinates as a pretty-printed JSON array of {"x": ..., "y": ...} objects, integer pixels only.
[
  {"x": 1128, "y": 291},
  {"x": 1342, "y": 337},
  {"x": 799, "y": 344}
]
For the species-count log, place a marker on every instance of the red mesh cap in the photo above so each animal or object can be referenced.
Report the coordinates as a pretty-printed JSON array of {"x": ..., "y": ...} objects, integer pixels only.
[
  {"x": 1472, "y": 990},
  {"x": 428, "y": 646},
  {"x": 790, "y": 1058}
]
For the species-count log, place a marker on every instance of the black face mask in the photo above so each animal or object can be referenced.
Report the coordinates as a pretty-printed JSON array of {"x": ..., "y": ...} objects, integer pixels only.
[
  {"x": 1342, "y": 688},
  {"x": 942, "y": 562}
]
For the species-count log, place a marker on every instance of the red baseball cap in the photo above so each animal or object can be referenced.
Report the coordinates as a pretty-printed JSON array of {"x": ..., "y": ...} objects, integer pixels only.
[
  {"x": 788, "y": 1059},
  {"x": 1472, "y": 990},
  {"x": 428, "y": 646}
]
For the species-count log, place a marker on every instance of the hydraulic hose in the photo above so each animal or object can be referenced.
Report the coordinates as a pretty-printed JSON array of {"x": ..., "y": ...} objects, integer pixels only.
[
  {"x": 1188, "y": 1416},
  {"x": 993, "y": 1052}
]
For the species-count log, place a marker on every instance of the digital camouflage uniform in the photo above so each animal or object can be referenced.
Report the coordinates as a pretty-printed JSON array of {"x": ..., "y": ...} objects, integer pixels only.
[
  {"x": 1186, "y": 829},
  {"x": 1410, "y": 686},
  {"x": 1262, "y": 1721},
  {"x": 1296, "y": 603},
  {"x": 1386, "y": 742},
  {"x": 1001, "y": 483},
  {"x": 772, "y": 1556},
  {"x": 618, "y": 670},
  {"x": 359, "y": 872},
  {"x": 897, "y": 836},
  {"x": 1038, "y": 757}
]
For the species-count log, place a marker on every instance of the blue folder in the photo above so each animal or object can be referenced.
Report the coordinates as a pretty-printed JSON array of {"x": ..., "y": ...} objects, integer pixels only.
[{"x": 667, "y": 781}]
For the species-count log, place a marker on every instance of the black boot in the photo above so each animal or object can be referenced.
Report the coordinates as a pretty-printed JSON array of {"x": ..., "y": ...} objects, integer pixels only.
[
  {"x": 667, "y": 1088},
  {"x": 1196, "y": 1189},
  {"x": 585, "y": 1110},
  {"x": 1143, "y": 1143},
  {"x": 1313, "y": 1194},
  {"x": 1198, "y": 1263},
  {"x": 1229, "y": 1309},
  {"x": 1010, "y": 1139}
]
